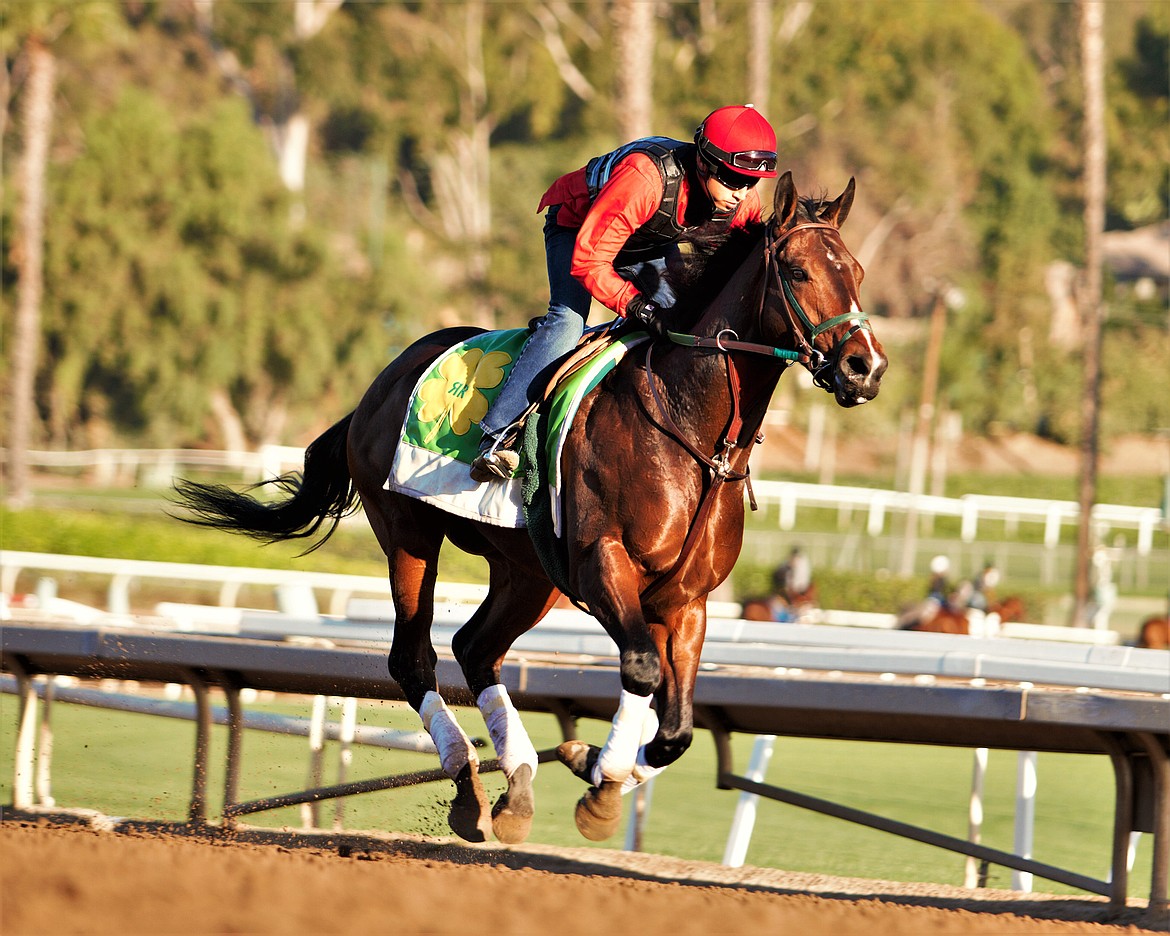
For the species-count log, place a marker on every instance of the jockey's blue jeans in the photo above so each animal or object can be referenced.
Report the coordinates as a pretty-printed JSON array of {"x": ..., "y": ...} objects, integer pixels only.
[
  {"x": 561, "y": 328},
  {"x": 555, "y": 334}
]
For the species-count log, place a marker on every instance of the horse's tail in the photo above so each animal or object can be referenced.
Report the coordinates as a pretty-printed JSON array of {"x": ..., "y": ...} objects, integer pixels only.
[{"x": 323, "y": 493}]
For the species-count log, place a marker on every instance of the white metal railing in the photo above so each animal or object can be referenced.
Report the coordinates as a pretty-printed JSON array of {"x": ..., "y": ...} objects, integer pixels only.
[
  {"x": 161, "y": 465},
  {"x": 291, "y": 585},
  {"x": 970, "y": 509}
]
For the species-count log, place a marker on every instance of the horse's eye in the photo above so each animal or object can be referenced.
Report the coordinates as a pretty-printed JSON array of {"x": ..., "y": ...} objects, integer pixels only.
[{"x": 798, "y": 275}]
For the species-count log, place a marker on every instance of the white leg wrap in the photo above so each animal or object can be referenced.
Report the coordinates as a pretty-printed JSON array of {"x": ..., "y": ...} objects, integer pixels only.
[
  {"x": 640, "y": 774},
  {"x": 455, "y": 748},
  {"x": 643, "y": 771},
  {"x": 617, "y": 757},
  {"x": 511, "y": 741}
]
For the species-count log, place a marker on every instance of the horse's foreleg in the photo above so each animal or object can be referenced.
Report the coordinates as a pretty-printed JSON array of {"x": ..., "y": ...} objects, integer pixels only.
[
  {"x": 581, "y": 758},
  {"x": 615, "y": 770},
  {"x": 610, "y": 585},
  {"x": 513, "y": 812}
]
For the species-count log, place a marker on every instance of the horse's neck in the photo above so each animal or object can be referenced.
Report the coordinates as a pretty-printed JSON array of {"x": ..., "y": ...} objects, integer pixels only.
[{"x": 698, "y": 381}]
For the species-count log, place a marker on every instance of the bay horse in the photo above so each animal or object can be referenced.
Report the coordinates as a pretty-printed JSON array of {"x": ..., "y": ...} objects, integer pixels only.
[
  {"x": 951, "y": 620},
  {"x": 654, "y": 468},
  {"x": 1155, "y": 633}
]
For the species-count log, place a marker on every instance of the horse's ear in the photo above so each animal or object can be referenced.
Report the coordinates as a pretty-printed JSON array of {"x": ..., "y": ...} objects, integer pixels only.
[
  {"x": 785, "y": 201},
  {"x": 836, "y": 212}
]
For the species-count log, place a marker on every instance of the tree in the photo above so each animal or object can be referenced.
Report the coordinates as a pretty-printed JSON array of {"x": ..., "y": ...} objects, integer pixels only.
[
  {"x": 634, "y": 72},
  {"x": 1092, "y": 15},
  {"x": 28, "y": 247}
]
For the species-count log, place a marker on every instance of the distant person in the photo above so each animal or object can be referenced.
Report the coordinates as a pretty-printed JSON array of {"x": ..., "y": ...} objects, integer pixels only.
[
  {"x": 939, "y": 588},
  {"x": 983, "y": 587},
  {"x": 792, "y": 579}
]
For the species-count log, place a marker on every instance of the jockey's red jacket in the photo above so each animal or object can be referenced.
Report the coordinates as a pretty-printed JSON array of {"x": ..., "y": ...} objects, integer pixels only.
[{"x": 628, "y": 200}]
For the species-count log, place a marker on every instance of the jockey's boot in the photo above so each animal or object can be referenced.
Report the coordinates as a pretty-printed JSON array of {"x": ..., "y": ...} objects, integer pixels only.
[{"x": 495, "y": 461}]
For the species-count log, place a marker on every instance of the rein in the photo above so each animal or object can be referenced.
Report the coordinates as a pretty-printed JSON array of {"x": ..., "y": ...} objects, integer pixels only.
[{"x": 727, "y": 342}]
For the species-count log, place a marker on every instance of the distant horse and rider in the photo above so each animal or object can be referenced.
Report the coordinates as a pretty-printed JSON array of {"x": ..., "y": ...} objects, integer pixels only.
[
  {"x": 794, "y": 593},
  {"x": 1154, "y": 633},
  {"x": 655, "y": 470},
  {"x": 950, "y": 609}
]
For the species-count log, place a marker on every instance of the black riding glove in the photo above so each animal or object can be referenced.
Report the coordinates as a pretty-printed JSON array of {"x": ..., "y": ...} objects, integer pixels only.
[{"x": 639, "y": 309}]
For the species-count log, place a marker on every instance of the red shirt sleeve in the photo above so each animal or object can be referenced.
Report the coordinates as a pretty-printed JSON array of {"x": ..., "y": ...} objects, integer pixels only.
[{"x": 626, "y": 202}]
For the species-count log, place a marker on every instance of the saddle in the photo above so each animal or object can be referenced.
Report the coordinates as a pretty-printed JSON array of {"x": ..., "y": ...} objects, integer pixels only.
[{"x": 440, "y": 434}]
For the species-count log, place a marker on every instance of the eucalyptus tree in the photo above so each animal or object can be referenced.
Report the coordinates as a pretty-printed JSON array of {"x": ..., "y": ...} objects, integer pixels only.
[{"x": 38, "y": 29}]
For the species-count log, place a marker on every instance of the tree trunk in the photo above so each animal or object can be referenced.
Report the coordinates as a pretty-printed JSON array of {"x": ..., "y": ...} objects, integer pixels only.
[
  {"x": 28, "y": 256},
  {"x": 462, "y": 175},
  {"x": 635, "y": 66},
  {"x": 1093, "y": 66},
  {"x": 231, "y": 426},
  {"x": 760, "y": 55}
]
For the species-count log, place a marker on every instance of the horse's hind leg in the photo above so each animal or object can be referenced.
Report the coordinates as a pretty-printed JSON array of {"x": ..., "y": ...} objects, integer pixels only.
[
  {"x": 411, "y": 541},
  {"x": 516, "y": 601}
]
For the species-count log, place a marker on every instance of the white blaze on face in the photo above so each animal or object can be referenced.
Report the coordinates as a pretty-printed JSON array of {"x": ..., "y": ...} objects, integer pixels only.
[{"x": 863, "y": 334}]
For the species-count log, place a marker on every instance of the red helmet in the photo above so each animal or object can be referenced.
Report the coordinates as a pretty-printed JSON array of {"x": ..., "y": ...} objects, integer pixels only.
[{"x": 739, "y": 138}]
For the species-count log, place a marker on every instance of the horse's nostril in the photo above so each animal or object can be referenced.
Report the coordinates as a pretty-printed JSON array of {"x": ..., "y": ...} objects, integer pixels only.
[{"x": 857, "y": 364}]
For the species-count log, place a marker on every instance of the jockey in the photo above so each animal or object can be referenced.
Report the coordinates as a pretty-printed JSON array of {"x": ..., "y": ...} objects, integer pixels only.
[
  {"x": 939, "y": 589},
  {"x": 609, "y": 227}
]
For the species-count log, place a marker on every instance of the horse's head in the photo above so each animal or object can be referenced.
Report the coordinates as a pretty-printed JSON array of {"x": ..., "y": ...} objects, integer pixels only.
[{"x": 813, "y": 295}]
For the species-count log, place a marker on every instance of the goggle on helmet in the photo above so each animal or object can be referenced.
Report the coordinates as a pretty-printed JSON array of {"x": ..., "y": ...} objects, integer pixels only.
[{"x": 739, "y": 144}]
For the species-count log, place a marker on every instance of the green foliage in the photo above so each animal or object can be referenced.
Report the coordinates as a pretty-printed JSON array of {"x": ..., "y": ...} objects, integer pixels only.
[
  {"x": 176, "y": 278},
  {"x": 173, "y": 273},
  {"x": 1139, "y": 124}
]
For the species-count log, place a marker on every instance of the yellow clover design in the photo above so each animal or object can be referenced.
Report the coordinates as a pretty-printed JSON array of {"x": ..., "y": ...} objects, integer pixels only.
[{"x": 454, "y": 393}]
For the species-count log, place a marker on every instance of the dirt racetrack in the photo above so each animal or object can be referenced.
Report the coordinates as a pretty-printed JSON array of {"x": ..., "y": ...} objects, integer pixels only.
[{"x": 148, "y": 881}]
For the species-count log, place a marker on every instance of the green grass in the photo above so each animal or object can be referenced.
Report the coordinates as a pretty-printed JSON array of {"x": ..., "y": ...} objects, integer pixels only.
[{"x": 140, "y": 766}]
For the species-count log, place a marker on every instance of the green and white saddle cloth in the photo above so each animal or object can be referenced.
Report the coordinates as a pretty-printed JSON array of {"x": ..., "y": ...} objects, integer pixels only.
[{"x": 440, "y": 436}]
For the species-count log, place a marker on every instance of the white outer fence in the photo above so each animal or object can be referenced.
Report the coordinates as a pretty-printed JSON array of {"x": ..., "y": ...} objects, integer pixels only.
[
  {"x": 970, "y": 509},
  {"x": 160, "y": 466}
]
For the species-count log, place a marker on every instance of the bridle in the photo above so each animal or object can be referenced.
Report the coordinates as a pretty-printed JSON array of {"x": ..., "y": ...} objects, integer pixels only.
[
  {"x": 818, "y": 364},
  {"x": 804, "y": 331}
]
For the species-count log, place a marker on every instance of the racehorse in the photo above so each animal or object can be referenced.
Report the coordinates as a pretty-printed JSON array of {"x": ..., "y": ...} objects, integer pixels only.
[
  {"x": 1155, "y": 633},
  {"x": 948, "y": 619},
  {"x": 777, "y": 608},
  {"x": 655, "y": 467}
]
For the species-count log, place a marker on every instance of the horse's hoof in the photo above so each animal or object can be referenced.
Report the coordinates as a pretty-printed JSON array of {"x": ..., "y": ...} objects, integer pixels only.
[
  {"x": 599, "y": 811},
  {"x": 469, "y": 817},
  {"x": 579, "y": 757},
  {"x": 513, "y": 812}
]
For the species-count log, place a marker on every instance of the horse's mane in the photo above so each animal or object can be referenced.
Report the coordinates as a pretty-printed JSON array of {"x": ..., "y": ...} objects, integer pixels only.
[{"x": 709, "y": 254}]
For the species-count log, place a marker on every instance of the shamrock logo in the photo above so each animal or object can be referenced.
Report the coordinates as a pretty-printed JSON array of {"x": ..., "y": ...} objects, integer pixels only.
[{"x": 454, "y": 394}]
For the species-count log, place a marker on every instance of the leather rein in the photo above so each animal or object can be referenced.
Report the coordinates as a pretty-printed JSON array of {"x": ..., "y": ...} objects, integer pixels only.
[{"x": 727, "y": 342}]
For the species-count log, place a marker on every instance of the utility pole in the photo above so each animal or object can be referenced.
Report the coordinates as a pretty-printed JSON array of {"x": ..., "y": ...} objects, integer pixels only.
[
  {"x": 920, "y": 448},
  {"x": 1092, "y": 308}
]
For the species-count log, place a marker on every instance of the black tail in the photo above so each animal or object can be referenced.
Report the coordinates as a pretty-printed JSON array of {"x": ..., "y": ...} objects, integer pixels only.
[{"x": 324, "y": 493}]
